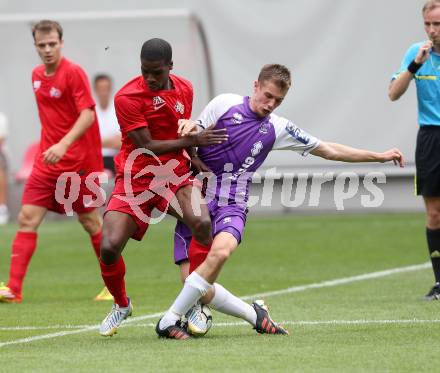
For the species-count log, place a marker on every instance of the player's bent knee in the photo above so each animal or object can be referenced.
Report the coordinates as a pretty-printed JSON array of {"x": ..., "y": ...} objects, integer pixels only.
[
  {"x": 91, "y": 223},
  {"x": 86, "y": 223},
  {"x": 202, "y": 229},
  {"x": 108, "y": 256},
  {"x": 434, "y": 219},
  {"x": 219, "y": 256},
  {"x": 110, "y": 250},
  {"x": 27, "y": 221}
]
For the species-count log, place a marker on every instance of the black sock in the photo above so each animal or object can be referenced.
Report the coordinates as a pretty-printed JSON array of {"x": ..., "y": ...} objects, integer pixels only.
[{"x": 433, "y": 238}]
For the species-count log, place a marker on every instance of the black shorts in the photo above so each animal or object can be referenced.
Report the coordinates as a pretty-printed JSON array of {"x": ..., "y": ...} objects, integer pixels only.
[{"x": 428, "y": 161}]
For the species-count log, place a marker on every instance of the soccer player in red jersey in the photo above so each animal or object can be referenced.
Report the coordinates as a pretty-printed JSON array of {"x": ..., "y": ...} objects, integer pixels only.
[
  {"x": 70, "y": 142},
  {"x": 152, "y": 171}
]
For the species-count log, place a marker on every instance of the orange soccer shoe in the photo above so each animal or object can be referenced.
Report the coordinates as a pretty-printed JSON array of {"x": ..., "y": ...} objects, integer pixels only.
[
  {"x": 8, "y": 296},
  {"x": 104, "y": 295}
]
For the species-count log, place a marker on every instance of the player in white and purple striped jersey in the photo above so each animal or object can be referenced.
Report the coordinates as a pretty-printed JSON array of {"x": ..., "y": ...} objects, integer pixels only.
[
  {"x": 251, "y": 138},
  {"x": 253, "y": 132}
]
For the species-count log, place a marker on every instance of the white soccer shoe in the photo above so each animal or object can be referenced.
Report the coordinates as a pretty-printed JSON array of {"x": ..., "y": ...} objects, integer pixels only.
[{"x": 113, "y": 320}]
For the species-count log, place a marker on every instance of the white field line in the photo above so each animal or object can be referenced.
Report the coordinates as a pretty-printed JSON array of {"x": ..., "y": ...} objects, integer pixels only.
[
  {"x": 243, "y": 323},
  {"x": 339, "y": 281},
  {"x": 323, "y": 284},
  {"x": 69, "y": 332},
  {"x": 48, "y": 327},
  {"x": 314, "y": 322}
]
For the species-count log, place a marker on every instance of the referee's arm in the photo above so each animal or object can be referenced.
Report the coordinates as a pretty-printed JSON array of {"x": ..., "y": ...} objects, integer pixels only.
[{"x": 399, "y": 85}]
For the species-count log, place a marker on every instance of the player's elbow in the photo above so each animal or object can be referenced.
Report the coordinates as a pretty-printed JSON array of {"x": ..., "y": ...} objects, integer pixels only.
[
  {"x": 89, "y": 116},
  {"x": 92, "y": 116},
  {"x": 326, "y": 151},
  {"x": 395, "y": 91},
  {"x": 393, "y": 96}
]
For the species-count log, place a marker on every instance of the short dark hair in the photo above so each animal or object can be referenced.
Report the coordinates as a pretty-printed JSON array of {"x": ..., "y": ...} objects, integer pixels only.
[
  {"x": 156, "y": 50},
  {"x": 104, "y": 76},
  {"x": 279, "y": 74},
  {"x": 47, "y": 25}
]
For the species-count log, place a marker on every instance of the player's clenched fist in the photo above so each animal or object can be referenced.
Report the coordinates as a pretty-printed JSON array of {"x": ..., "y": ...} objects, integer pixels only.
[{"x": 423, "y": 52}]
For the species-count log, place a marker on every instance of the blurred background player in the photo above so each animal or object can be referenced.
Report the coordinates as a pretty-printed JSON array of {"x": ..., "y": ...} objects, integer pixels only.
[
  {"x": 422, "y": 63},
  {"x": 148, "y": 109},
  {"x": 253, "y": 132},
  {"x": 4, "y": 212},
  {"x": 108, "y": 124},
  {"x": 70, "y": 142}
]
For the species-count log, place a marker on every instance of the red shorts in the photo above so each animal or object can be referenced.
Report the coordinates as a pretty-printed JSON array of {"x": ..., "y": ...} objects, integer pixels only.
[
  {"x": 40, "y": 190},
  {"x": 141, "y": 209}
]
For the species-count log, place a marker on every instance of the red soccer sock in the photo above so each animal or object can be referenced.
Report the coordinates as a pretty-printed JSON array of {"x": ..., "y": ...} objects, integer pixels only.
[
  {"x": 96, "y": 243},
  {"x": 23, "y": 248},
  {"x": 113, "y": 276},
  {"x": 197, "y": 254}
]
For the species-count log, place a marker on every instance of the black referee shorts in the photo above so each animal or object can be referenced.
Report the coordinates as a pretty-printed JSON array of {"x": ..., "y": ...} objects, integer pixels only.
[{"x": 428, "y": 161}]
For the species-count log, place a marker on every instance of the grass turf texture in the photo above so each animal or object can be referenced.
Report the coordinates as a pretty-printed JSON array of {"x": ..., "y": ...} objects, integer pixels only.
[{"x": 276, "y": 253}]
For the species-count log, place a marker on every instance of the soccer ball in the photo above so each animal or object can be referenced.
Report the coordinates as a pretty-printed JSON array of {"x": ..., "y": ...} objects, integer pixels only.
[{"x": 199, "y": 319}]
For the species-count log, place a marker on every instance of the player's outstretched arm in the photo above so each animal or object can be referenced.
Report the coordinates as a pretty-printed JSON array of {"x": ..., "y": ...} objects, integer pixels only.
[
  {"x": 53, "y": 154},
  {"x": 344, "y": 153},
  {"x": 141, "y": 137}
]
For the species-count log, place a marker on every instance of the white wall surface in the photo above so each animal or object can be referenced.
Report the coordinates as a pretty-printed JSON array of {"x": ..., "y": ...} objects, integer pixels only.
[{"x": 342, "y": 54}]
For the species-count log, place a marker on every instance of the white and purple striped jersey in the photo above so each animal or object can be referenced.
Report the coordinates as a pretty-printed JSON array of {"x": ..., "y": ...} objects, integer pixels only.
[{"x": 251, "y": 138}]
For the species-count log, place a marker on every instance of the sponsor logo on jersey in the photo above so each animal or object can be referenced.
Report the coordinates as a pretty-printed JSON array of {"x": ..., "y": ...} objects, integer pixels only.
[
  {"x": 237, "y": 118},
  {"x": 37, "y": 85},
  {"x": 158, "y": 102},
  {"x": 297, "y": 133},
  {"x": 55, "y": 92},
  {"x": 227, "y": 220},
  {"x": 248, "y": 162},
  {"x": 426, "y": 77},
  {"x": 180, "y": 108},
  {"x": 257, "y": 148},
  {"x": 264, "y": 128}
]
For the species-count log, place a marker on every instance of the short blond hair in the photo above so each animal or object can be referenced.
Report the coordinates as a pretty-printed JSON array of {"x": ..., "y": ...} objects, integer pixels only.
[{"x": 430, "y": 5}]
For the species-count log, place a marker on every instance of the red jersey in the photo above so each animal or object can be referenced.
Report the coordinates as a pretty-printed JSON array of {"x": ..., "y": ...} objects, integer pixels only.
[
  {"x": 139, "y": 107},
  {"x": 60, "y": 99}
]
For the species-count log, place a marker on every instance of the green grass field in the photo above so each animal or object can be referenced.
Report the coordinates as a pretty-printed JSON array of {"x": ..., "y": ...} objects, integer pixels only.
[{"x": 377, "y": 324}]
